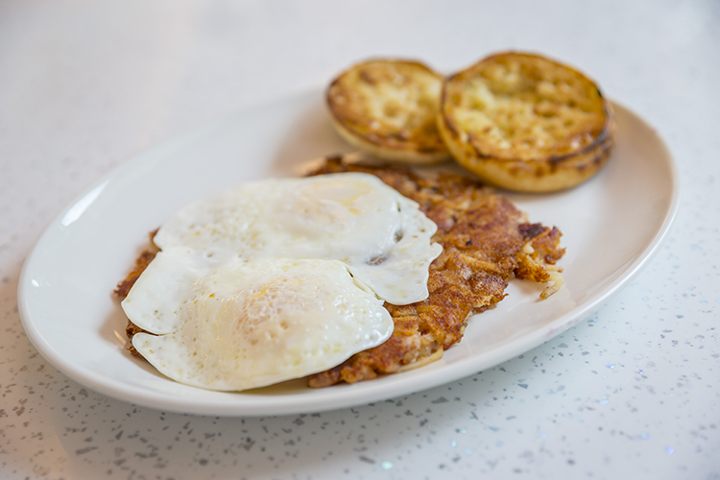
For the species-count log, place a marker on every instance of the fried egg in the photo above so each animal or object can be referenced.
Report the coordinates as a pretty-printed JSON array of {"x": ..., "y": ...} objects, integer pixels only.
[
  {"x": 253, "y": 324},
  {"x": 278, "y": 279}
]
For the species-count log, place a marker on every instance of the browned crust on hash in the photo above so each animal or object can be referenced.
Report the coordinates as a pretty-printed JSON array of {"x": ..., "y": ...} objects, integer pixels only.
[
  {"x": 123, "y": 288},
  {"x": 486, "y": 241}
]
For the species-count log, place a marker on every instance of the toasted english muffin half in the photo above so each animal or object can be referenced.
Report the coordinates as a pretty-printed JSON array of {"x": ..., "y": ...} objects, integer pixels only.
[
  {"x": 526, "y": 123},
  {"x": 388, "y": 108}
]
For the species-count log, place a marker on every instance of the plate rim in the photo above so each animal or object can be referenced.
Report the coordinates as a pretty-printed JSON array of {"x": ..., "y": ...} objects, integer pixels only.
[{"x": 343, "y": 396}]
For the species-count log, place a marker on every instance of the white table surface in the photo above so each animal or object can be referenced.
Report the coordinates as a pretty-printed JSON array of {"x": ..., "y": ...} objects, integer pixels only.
[{"x": 631, "y": 392}]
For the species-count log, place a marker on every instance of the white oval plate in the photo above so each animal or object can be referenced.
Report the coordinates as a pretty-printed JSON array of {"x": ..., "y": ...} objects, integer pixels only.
[{"x": 612, "y": 226}]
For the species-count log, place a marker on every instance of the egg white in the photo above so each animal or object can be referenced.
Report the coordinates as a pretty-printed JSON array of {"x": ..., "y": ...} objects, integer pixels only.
[
  {"x": 338, "y": 245},
  {"x": 355, "y": 218},
  {"x": 248, "y": 325}
]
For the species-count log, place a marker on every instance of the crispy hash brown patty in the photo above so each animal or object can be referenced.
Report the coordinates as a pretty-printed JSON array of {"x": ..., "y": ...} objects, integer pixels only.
[{"x": 486, "y": 241}]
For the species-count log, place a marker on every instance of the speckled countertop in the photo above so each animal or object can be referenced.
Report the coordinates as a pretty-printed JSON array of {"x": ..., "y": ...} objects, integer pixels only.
[{"x": 631, "y": 392}]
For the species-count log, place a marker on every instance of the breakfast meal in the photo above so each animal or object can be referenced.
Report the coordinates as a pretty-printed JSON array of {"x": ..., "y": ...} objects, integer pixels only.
[
  {"x": 367, "y": 268},
  {"x": 278, "y": 279},
  {"x": 388, "y": 108},
  {"x": 336, "y": 276},
  {"x": 526, "y": 123}
]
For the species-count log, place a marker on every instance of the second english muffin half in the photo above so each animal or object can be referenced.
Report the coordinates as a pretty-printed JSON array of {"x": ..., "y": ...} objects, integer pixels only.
[
  {"x": 526, "y": 123},
  {"x": 388, "y": 108}
]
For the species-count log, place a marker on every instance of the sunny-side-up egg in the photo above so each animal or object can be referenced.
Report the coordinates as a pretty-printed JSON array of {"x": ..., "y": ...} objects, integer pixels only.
[{"x": 279, "y": 279}]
